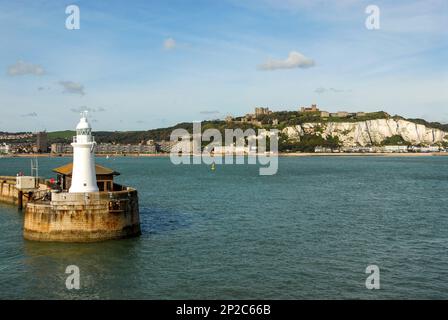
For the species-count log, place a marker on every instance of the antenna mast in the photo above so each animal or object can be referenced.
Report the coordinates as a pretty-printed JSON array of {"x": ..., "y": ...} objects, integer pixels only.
[{"x": 35, "y": 168}]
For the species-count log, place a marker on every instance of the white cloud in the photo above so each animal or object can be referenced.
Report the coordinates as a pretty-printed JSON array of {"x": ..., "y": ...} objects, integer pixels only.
[
  {"x": 321, "y": 90},
  {"x": 169, "y": 44},
  {"x": 295, "y": 60},
  {"x": 84, "y": 108},
  {"x": 209, "y": 112},
  {"x": 21, "y": 68},
  {"x": 31, "y": 114},
  {"x": 72, "y": 87}
]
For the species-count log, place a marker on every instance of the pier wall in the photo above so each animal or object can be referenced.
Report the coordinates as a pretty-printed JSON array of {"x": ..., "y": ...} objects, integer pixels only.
[
  {"x": 83, "y": 217},
  {"x": 8, "y": 192}
]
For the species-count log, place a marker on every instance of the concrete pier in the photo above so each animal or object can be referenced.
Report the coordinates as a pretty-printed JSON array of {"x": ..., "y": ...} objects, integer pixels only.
[
  {"x": 9, "y": 193},
  {"x": 83, "y": 217}
]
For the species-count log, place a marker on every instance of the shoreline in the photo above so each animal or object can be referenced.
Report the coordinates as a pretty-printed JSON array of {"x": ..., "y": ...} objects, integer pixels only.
[{"x": 295, "y": 154}]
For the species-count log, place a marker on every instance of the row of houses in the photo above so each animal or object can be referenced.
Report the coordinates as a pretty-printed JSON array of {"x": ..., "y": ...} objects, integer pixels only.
[
  {"x": 108, "y": 148},
  {"x": 15, "y": 148},
  {"x": 15, "y": 136},
  {"x": 382, "y": 149},
  {"x": 40, "y": 144}
]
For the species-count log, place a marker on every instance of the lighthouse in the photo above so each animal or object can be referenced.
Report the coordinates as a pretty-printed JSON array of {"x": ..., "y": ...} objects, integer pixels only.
[{"x": 83, "y": 175}]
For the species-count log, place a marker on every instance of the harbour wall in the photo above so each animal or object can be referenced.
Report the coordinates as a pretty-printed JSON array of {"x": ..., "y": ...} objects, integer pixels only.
[
  {"x": 8, "y": 192},
  {"x": 83, "y": 217}
]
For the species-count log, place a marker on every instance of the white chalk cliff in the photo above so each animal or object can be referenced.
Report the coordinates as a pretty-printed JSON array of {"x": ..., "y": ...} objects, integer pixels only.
[{"x": 369, "y": 132}]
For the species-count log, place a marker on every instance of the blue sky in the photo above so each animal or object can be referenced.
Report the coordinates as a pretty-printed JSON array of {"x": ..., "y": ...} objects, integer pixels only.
[{"x": 139, "y": 65}]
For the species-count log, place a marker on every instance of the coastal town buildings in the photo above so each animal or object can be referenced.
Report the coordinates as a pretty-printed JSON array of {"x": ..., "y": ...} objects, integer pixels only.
[
  {"x": 231, "y": 149},
  {"x": 292, "y": 124},
  {"x": 59, "y": 148},
  {"x": 4, "y": 148},
  {"x": 395, "y": 149},
  {"x": 108, "y": 148},
  {"x": 15, "y": 136}
]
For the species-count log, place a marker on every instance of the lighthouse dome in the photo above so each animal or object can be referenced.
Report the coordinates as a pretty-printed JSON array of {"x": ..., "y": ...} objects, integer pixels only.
[{"x": 83, "y": 124}]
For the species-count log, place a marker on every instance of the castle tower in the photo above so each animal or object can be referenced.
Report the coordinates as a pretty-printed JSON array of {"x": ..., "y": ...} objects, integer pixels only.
[{"x": 83, "y": 174}]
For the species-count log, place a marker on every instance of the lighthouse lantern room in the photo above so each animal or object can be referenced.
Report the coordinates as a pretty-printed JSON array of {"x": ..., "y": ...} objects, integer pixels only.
[{"x": 83, "y": 175}]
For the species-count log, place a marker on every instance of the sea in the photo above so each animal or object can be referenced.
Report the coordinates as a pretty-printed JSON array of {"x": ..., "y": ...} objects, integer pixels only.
[{"x": 312, "y": 231}]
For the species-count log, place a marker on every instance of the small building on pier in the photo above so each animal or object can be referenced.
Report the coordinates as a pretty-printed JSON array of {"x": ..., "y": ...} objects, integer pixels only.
[{"x": 104, "y": 177}]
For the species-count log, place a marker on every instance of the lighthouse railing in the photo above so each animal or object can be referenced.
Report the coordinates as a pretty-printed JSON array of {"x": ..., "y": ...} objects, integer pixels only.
[{"x": 85, "y": 139}]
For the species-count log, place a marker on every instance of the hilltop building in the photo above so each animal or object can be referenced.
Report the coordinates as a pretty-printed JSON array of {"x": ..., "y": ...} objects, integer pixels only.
[
  {"x": 262, "y": 111},
  {"x": 313, "y": 108}
]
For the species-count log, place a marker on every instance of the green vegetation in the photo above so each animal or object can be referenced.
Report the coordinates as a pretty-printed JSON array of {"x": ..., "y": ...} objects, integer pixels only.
[
  {"x": 368, "y": 116},
  {"x": 61, "y": 136},
  {"x": 394, "y": 141},
  {"x": 445, "y": 143},
  {"x": 434, "y": 125},
  {"x": 307, "y": 143},
  {"x": 290, "y": 118}
]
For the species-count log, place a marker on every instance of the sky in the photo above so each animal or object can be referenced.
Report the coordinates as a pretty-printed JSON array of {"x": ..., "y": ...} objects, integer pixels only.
[{"x": 139, "y": 65}]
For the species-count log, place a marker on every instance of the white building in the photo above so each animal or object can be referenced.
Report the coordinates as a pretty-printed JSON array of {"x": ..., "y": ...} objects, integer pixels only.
[
  {"x": 398, "y": 149},
  {"x": 232, "y": 149},
  {"x": 4, "y": 148},
  {"x": 426, "y": 149}
]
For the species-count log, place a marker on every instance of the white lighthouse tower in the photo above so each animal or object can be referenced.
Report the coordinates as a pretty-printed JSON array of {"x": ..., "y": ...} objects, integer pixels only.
[{"x": 83, "y": 173}]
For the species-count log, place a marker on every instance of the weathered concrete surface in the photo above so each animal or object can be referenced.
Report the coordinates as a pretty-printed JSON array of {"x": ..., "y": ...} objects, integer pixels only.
[
  {"x": 8, "y": 192},
  {"x": 83, "y": 217}
]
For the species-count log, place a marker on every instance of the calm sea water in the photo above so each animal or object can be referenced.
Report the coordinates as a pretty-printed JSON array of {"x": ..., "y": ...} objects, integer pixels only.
[{"x": 308, "y": 232}]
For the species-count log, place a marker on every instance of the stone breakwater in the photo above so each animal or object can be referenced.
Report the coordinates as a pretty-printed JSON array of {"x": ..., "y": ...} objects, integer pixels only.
[
  {"x": 369, "y": 132},
  {"x": 8, "y": 192},
  {"x": 75, "y": 217},
  {"x": 83, "y": 217}
]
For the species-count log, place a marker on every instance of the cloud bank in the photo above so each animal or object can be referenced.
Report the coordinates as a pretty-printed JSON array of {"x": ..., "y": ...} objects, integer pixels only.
[
  {"x": 295, "y": 60},
  {"x": 322, "y": 90},
  {"x": 21, "y": 68},
  {"x": 84, "y": 108},
  {"x": 72, "y": 87},
  {"x": 31, "y": 114},
  {"x": 209, "y": 112}
]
